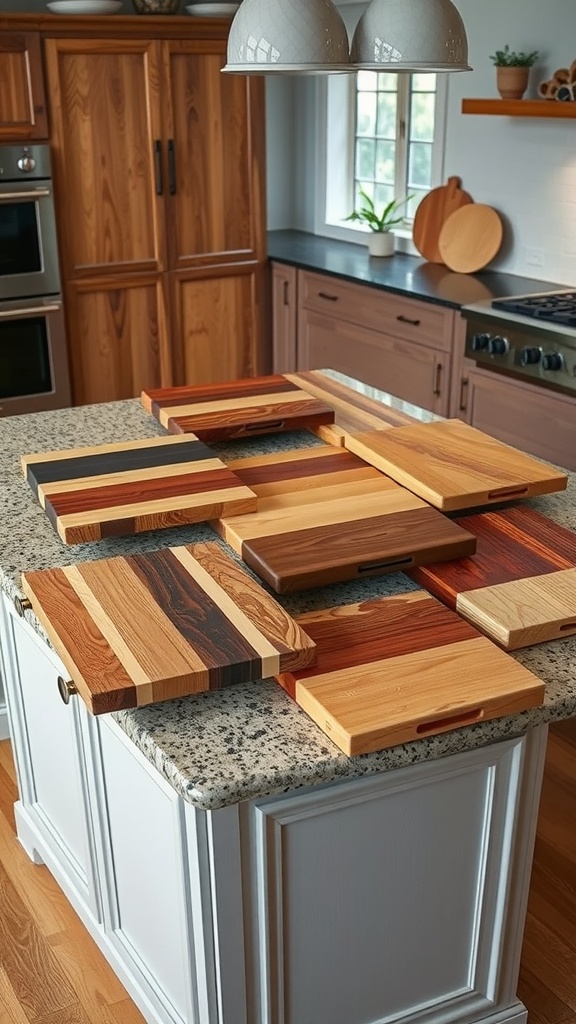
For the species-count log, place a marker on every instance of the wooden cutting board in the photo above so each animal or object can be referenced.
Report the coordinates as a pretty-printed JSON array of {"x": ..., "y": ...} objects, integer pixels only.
[
  {"x": 470, "y": 238},
  {"x": 125, "y": 488},
  {"x": 455, "y": 466},
  {"x": 256, "y": 405},
  {"x": 149, "y": 627},
  {"x": 397, "y": 669},
  {"x": 324, "y": 516},
  {"x": 520, "y": 586},
  {"x": 433, "y": 210}
]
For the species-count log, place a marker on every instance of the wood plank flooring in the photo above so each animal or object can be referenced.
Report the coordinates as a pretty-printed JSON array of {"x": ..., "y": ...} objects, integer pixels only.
[{"x": 51, "y": 972}]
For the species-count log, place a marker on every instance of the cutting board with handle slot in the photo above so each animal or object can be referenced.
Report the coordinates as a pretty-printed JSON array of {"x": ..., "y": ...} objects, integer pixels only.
[
  {"x": 397, "y": 669},
  {"x": 433, "y": 210},
  {"x": 143, "y": 628},
  {"x": 117, "y": 489},
  {"x": 455, "y": 466},
  {"x": 520, "y": 586},
  {"x": 324, "y": 516},
  {"x": 239, "y": 408}
]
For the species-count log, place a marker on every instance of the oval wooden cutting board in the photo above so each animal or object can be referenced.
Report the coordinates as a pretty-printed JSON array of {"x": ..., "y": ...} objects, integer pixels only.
[
  {"x": 470, "y": 238},
  {"x": 431, "y": 214}
]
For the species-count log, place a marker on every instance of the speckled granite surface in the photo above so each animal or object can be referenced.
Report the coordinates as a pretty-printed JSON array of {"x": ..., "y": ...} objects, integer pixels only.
[{"x": 250, "y": 740}]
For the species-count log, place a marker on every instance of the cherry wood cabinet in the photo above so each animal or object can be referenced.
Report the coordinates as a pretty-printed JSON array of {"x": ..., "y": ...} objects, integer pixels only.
[
  {"x": 159, "y": 180},
  {"x": 22, "y": 98}
]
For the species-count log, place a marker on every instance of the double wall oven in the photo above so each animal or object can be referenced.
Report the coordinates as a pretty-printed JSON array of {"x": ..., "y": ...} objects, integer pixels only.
[{"x": 33, "y": 357}]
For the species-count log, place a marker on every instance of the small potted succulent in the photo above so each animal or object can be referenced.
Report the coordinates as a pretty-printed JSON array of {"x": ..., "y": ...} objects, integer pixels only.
[
  {"x": 512, "y": 71},
  {"x": 381, "y": 237}
]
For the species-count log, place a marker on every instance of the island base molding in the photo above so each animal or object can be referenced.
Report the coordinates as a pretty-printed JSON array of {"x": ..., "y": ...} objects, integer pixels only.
[{"x": 394, "y": 897}]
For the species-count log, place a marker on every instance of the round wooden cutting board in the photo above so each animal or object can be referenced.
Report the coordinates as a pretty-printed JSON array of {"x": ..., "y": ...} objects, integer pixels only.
[
  {"x": 431, "y": 214},
  {"x": 470, "y": 238}
]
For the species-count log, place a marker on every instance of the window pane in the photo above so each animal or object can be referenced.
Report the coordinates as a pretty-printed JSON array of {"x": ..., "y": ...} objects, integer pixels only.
[
  {"x": 385, "y": 162},
  {"x": 366, "y": 115},
  {"x": 383, "y": 194},
  {"x": 420, "y": 165},
  {"x": 413, "y": 204},
  {"x": 422, "y": 116},
  {"x": 367, "y": 80},
  {"x": 365, "y": 158},
  {"x": 424, "y": 83},
  {"x": 387, "y": 83},
  {"x": 365, "y": 186},
  {"x": 386, "y": 122}
]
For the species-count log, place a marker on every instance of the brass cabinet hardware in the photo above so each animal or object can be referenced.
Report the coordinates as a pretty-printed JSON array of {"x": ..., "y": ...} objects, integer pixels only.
[
  {"x": 22, "y": 604},
  {"x": 66, "y": 689}
]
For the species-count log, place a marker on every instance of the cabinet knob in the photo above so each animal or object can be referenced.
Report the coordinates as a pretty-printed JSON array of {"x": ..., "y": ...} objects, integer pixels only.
[
  {"x": 66, "y": 689},
  {"x": 22, "y": 604}
]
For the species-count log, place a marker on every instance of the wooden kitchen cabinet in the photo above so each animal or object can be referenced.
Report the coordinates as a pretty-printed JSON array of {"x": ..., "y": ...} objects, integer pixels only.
[
  {"x": 158, "y": 167},
  {"x": 284, "y": 317},
  {"x": 22, "y": 97}
]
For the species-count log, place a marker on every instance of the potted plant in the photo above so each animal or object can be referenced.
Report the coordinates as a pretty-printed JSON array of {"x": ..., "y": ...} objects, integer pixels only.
[
  {"x": 381, "y": 237},
  {"x": 512, "y": 71}
]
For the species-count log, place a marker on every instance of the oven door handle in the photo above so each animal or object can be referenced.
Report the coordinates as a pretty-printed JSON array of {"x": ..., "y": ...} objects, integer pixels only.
[
  {"x": 22, "y": 197},
  {"x": 49, "y": 307}
]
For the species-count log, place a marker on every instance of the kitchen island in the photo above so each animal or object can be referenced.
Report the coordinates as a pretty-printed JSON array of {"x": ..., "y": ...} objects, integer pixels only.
[{"x": 232, "y": 864}]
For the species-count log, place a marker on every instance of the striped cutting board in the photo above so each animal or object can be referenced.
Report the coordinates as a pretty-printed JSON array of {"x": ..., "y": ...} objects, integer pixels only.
[
  {"x": 255, "y": 405},
  {"x": 324, "y": 516},
  {"x": 129, "y": 487},
  {"x": 397, "y": 669},
  {"x": 520, "y": 586},
  {"x": 455, "y": 466},
  {"x": 149, "y": 627}
]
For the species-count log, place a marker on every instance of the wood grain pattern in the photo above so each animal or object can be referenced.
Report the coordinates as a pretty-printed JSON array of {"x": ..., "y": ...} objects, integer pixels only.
[
  {"x": 259, "y": 405},
  {"x": 324, "y": 516},
  {"x": 520, "y": 586},
  {"x": 22, "y": 98},
  {"x": 395, "y": 669},
  {"x": 201, "y": 624},
  {"x": 129, "y": 487},
  {"x": 470, "y": 238},
  {"x": 432, "y": 212},
  {"x": 455, "y": 466}
]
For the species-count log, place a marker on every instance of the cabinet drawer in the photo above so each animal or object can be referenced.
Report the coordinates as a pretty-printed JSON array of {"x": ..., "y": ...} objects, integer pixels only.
[{"x": 379, "y": 310}]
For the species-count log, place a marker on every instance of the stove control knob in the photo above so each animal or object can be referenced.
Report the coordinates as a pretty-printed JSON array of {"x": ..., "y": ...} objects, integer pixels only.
[
  {"x": 498, "y": 346},
  {"x": 552, "y": 361},
  {"x": 529, "y": 356},
  {"x": 26, "y": 162},
  {"x": 479, "y": 342}
]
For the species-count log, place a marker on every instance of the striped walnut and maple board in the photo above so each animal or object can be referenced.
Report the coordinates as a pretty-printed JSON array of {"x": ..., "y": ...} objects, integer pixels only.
[
  {"x": 324, "y": 516},
  {"x": 520, "y": 586},
  {"x": 455, "y": 466},
  {"x": 125, "y": 488},
  {"x": 238, "y": 408},
  {"x": 396, "y": 669},
  {"x": 143, "y": 628}
]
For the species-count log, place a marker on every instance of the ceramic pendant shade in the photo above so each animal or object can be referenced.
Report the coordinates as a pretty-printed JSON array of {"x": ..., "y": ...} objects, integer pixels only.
[
  {"x": 410, "y": 35},
  {"x": 285, "y": 36}
]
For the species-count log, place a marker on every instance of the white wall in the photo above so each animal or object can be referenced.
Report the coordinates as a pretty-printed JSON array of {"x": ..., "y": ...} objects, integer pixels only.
[{"x": 524, "y": 167}]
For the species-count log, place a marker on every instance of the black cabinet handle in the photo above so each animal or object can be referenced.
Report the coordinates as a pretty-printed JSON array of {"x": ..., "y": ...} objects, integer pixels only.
[
  {"x": 158, "y": 167},
  {"x": 407, "y": 320},
  {"x": 438, "y": 382},
  {"x": 462, "y": 405},
  {"x": 330, "y": 298},
  {"x": 171, "y": 168}
]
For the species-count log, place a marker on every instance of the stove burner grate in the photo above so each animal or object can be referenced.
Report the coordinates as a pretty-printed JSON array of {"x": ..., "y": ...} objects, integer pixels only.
[{"x": 556, "y": 308}]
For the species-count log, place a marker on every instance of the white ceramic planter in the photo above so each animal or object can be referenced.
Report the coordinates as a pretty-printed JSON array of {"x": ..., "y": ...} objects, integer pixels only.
[{"x": 381, "y": 243}]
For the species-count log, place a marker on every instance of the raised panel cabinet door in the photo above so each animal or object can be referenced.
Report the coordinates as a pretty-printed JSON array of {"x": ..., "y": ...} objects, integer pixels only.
[
  {"x": 107, "y": 154},
  {"x": 284, "y": 317},
  {"x": 22, "y": 99},
  {"x": 215, "y": 158}
]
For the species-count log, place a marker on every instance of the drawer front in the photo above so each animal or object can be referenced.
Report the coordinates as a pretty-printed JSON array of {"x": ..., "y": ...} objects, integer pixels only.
[{"x": 379, "y": 310}]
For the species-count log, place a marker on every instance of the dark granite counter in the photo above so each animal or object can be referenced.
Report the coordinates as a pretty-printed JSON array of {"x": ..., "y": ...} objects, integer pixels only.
[{"x": 403, "y": 274}]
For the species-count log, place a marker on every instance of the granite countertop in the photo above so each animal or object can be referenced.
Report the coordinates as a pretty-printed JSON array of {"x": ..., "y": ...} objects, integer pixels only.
[
  {"x": 406, "y": 275},
  {"x": 250, "y": 740}
]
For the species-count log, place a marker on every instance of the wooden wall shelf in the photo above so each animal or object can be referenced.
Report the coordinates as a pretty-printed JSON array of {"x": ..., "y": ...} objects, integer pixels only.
[{"x": 520, "y": 108}]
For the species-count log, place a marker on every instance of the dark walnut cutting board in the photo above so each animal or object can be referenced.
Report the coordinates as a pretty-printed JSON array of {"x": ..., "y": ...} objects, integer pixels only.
[
  {"x": 149, "y": 627},
  {"x": 520, "y": 586},
  {"x": 239, "y": 408},
  {"x": 455, "y": 466},
  {"x": 129, "y": 487},
  {"x": 324, "y": 516},
  {"x": 397, "y": 669}
]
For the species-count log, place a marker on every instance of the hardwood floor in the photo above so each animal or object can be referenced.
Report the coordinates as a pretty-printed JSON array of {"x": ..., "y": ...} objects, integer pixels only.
[{"x": 51, "y": 972}]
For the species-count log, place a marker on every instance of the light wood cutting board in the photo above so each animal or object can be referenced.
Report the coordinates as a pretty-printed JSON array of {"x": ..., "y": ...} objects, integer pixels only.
[
  {"x": 397, "y": 669},
  {"x": 239, "y": 408},
  {"x": 148, "y": 627},
  {"x": 324, "y": 516},
  {"x": 520, "y": 586},
  {"x": 470, "y": 238},
  {"x": 125, "y": 488},
  {"x": 455, "y": 466},
  {"x": 431, "y": 214}
]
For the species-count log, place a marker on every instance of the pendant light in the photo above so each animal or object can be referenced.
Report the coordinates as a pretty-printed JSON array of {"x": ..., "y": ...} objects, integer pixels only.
[
  {"x": 287, "y": 37},
  {"x": 410, "y": 35}
]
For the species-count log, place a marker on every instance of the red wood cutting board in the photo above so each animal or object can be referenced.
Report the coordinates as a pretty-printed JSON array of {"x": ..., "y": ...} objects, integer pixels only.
[
  {"x": 520, "y": 586},
  {"x": 324, "y": 516},
  {"x": 149, "y": 627},
  {"x": 397, "y": 669},
  {"x": 256, "y": 405},
  {"x": 455, "y": 466},
  {"x": 433, "y": 210},
  {"x": 129, "y": 487}
]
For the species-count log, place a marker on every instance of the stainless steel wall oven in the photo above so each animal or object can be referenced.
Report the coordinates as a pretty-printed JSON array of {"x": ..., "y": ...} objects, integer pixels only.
[{"x": 33, "y": 357}]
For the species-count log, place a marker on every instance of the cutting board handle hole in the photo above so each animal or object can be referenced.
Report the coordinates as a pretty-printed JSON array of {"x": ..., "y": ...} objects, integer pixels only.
[
  {"x": 568, "y": 627},
  {"x": 507, "y": 492},
  {"x": 272, "y": 425},
  {"x": 437, "y": 724},
  {"x": 377, "y": 566}
]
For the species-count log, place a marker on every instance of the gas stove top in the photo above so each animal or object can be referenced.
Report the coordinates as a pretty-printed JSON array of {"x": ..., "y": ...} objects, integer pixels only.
[{"x": 556, "y": 307}]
